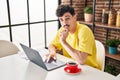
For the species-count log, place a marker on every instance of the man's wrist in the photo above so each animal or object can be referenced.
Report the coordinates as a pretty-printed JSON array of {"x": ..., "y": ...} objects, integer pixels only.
[{"x": 63, "y": 42}]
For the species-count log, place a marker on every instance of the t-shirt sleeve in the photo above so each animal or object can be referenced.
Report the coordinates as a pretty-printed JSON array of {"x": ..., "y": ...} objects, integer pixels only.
[
  {"x": 56, "y": 40},
  {"x": 86, "y": 41}
]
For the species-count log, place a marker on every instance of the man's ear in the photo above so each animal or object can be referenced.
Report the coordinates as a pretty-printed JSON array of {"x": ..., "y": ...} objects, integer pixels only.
[{"x": 75, "y": 16}]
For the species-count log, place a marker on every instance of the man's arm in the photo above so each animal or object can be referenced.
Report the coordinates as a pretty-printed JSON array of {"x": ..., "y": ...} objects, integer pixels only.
[
  {"x": 52, "y": 54},
  {"x": 52, "y": 49},
  {"x": 79, "y": 56}
]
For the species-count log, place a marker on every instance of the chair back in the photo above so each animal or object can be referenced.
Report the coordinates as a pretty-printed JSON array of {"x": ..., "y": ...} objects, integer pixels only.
[
  {"x": 7, "y": 48},
  {"x": 100, "y": 54}
]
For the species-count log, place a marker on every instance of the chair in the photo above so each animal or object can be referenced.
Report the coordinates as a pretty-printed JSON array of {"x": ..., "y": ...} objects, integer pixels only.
[
  {"x": 7, "y": 48},
  {"x": 100, "y": 54}
]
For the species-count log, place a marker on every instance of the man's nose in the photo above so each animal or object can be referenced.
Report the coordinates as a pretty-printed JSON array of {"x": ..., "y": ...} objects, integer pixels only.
[
  {"x": 64, "y": 26},
  {"x": 65, "y": 22}
]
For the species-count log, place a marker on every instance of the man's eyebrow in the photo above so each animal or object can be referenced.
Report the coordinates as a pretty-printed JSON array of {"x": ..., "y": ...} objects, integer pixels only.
[{"x": 67, "y": 16}]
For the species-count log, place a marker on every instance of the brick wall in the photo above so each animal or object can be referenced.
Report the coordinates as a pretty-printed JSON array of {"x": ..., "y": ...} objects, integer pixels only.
[
  {"x": 78, "y": 6},
  {"x": 100, "y": 33}
]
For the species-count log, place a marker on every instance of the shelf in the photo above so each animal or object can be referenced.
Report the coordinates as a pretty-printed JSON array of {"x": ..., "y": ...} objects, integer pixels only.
[
  {"x": 87, "y": 23},
  {"x": 113, "y": 56},
  {"x": 98, "y": 24}
]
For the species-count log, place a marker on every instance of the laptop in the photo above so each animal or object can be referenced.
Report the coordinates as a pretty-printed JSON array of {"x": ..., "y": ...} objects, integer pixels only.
[{"x": 35, "y": 57}]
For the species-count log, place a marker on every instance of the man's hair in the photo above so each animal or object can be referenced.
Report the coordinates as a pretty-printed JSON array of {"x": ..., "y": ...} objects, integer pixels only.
[{"x": 62, "y": 9}]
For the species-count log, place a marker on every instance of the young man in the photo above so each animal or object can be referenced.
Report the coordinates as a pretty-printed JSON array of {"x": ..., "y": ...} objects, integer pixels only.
[{"x": 74, "y": 39}]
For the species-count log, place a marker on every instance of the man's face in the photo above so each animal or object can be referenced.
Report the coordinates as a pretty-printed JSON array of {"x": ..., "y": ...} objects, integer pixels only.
[{"x": 68, "y": 21}]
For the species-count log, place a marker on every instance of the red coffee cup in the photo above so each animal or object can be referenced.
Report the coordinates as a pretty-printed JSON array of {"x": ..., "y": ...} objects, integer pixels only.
[{"x": 72, "y": 66}]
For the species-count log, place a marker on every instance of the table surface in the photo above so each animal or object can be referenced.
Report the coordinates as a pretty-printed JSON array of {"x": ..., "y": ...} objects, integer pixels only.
[
  {"x": 117, "y": 77},
  {"x": 16, "y": 68}
]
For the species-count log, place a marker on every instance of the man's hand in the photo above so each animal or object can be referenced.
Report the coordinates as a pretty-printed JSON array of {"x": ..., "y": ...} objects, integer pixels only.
[
  {"x": 49, "y": 58},
  {"x": 63, "y": 35}
]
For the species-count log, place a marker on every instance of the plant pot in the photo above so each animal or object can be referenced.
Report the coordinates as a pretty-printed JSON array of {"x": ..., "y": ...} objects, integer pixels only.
[
  {"x": 88, "y": 17},
  {"x": 112, "y": 50}
]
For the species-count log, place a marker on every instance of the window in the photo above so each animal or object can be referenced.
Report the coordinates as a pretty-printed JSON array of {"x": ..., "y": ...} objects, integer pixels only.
[{"x": 28, "y": 21}]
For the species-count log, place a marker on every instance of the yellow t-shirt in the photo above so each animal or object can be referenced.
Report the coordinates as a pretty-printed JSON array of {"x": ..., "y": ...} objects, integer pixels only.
[{"x": 83, "y": 40}]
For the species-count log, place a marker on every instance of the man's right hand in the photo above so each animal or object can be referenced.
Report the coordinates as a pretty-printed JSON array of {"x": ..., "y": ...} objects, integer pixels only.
[{"x": 50, "y": 57}]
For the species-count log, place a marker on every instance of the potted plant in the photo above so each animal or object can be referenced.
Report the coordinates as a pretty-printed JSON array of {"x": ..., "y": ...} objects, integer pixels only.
[
  {"x": 88, "y": 13},
  {"x": 112, "y": 45}
]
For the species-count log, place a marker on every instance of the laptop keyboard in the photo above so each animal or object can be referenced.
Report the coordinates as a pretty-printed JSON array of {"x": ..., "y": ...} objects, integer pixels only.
[
  {"x": 42, "y": 52},
  {"x": 50, "y": 64}
]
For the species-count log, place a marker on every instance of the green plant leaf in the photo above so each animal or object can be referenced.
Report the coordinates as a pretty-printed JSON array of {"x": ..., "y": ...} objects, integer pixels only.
[
  {"x": 113, "y": 42},
  {"x": 88, "y": 10}
]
